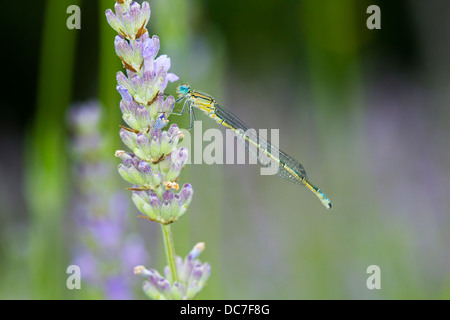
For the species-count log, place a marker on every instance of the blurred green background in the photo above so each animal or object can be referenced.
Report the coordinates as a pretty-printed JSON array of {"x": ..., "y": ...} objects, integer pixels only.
[{"x": 365, "y": 111}]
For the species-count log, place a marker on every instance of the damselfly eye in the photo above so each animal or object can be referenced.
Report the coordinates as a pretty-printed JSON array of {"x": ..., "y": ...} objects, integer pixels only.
[{"x": 184, "y": 89}]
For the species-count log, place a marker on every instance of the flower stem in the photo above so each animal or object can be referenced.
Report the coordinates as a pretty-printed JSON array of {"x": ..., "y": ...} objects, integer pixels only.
[{"x": 170, "y": 251}]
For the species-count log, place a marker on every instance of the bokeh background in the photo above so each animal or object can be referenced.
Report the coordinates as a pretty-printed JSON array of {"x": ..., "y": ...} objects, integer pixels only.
[{"x": 365, "y": 111}]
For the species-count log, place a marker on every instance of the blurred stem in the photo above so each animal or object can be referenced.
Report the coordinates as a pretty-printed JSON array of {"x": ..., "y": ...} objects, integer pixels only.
[
  {"x": 332, "y": 49},
  {"x": 45, "y": 154},
  {"x": 170, "y": 251}
]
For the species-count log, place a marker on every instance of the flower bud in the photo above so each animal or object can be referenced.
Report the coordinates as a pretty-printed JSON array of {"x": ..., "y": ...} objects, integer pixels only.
[
  {"x": 177, "y": 293},
  {"x": 151, "y": 291},
  {"x": 124, "y": 173},
  {"x": 123, "y": 50},
  {"x": 196, "y": 251},
  {"x": 166, "y": 145},
  {"x": 165, "y": 210},
  {"x": 174, "y": 171},
  {"x": 129, "y": 138},
  {"x": 135, "y": 175},
  {"x": 168, "y": 195},
  {"x": 173, "y": 130},
  {"x": 206, "y": 274},
  {"x": 144, "y": 206},
  {"x": 124, "y": 93},
  {"x": 128, "y": 107},
  {"x": 126, "y": 158},
  {"x": 142, "y": 117},
  {"x": 146, "y": 172},
  {"x": 155, "y": 144},
  {"x": 175, "y": 206},
  {"x": 131, "y": 121},
  {"x": 122, "y": 80},
  {"x": 165, "y": 288},
  {"x": 155, "y": 202},
  {"x": 156, "y": 178},
  {"x": 186, "y": 194},
  {"x": 165, "y": 165},
  {"x": 113, "y": 21},
  {"x": 168, "y": 105},
  {"x": 144, "y": 145}
]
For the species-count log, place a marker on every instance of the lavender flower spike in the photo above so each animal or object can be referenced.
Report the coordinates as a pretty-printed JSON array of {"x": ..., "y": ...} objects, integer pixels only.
[
  {"x": 193, "y": 275},
  {"x": 155, "y": 161},
  {"x": 146, "y": 112}
]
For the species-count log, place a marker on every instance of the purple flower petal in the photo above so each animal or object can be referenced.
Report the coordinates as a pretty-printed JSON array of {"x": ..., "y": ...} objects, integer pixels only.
[
  {"x": 172, "y": 77},
  {"x": 124, "y": 93}
]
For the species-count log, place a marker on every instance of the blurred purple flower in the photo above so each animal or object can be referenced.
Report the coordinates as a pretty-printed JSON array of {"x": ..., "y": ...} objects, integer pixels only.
[
  {"x": 107, "y": 251},
  {"x": 117, "y": 289}
]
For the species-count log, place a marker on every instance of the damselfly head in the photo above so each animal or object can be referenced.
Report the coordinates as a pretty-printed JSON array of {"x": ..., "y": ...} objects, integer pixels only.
[{"x": 183, "y": 89}]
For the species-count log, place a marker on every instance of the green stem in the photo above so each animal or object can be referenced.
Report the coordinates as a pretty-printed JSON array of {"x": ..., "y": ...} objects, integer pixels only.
[{"x": 170, "y": 251}]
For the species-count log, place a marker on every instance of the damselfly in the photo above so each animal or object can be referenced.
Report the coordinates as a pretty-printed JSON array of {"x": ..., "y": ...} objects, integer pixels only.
[{"x": 288, "y": 168}]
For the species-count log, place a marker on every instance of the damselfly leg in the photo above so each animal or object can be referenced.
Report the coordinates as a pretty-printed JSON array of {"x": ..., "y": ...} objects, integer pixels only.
[{"x": 192, "y": 116}]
